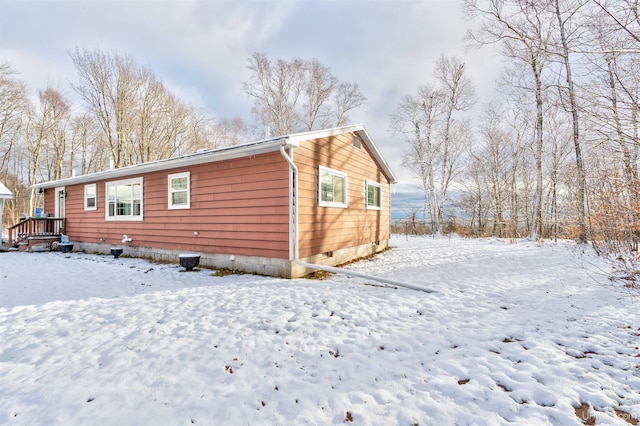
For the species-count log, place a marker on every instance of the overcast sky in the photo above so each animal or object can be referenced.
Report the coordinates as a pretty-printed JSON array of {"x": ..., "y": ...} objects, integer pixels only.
[{"x": 200, "y": 48}]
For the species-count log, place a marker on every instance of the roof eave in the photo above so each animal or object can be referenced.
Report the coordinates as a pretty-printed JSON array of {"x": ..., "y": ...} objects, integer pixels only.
[
  {"x": 295, "y": 140},
  {"x": 4, "y": 192},
  {"x": 227, "y": 153},
  {"x": 172, "y": 163},
  {"x": 364, "y": 135}
]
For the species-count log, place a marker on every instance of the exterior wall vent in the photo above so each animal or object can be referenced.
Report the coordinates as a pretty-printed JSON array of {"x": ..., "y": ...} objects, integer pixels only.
[{"x": 356, "y": 141}]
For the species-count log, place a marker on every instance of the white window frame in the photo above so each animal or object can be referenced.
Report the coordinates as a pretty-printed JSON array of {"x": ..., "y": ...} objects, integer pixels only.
[
  {"x": 87, "y": 197},
  {"x": 340, "y": 175},
  {"x": 366, "y": 195},
  {"x": 171, "y": 191},
  {"x": 133, "y": 181}
]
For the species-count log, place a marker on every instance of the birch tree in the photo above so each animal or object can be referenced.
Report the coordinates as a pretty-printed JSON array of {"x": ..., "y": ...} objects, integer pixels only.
[
  {"x": 524, "y": 30},
  {"x": 416, "y": 118},
  {"x": 108, "y": 84},
  {"x": 88, "y": 151},
  {"x": 346, "y": 97},
  {"x": 458, "y": 95},
  {"x": 13, "y": 107},
  {"x": 275, "y": 89},
  {"x": 46, "y": 140},
  {"x": 139, "y": 119},
  {"x": 611, "y": 102},
  {"x": 564, "y": 32},
  {"x": 298, "y": 95},
  {"x": 492, "y": 167},
  {"x": 438, "y": 136},
  {"x": 624, "y": 15},
  {"x": 318, "y": 86},
  {"x": 56, "y": 155},
  {"x": 229, "y": 132}
]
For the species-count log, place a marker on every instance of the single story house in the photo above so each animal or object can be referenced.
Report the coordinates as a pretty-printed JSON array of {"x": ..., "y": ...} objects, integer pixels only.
[{"x": 319, "y": 197}]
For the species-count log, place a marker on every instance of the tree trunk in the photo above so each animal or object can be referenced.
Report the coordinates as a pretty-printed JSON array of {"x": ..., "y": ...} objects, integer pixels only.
[
  {"x": 537, "y": 199},
  {"x": 581, "y": 236}
]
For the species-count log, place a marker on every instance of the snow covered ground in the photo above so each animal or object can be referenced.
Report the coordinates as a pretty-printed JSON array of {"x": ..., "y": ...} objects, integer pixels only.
[{"x": 515, "y": 333}]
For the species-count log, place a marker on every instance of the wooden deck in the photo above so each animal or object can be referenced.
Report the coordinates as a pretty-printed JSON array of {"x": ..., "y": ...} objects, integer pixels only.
[{"x": 36, "y": 230}]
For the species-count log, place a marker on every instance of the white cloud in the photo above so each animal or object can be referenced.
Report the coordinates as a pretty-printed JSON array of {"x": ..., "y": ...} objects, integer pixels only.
[{"x": 200, "y": 48}]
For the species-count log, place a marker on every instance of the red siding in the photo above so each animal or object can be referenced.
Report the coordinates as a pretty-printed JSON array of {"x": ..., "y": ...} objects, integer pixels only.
[
  {"x": 324, "y": 229},
  {"x": 238, "y": 207},
  {"x": 241, "y": 206}
]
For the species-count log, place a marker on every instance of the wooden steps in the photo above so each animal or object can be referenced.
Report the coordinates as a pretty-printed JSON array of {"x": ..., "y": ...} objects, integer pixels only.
[{"x": 40, "y": 243}]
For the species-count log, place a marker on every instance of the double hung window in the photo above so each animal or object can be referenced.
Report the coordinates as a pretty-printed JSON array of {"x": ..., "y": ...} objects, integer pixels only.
[
  {"x": 90, "y": 197},
  {"x": 374, "y": 192},
  {"x": 124, "y": 200},
  {"x": 179, "y": 191}
]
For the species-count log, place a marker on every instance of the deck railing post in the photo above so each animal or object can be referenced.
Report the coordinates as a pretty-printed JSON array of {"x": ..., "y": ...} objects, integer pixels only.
[{"x": 30, "y": 227}]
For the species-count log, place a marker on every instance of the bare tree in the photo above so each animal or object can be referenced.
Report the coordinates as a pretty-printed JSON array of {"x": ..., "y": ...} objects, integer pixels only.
[
  {"x": 56, "y": 137},
  {"x": 475, "y": 195},
  {"x": 497, "y": 175},
  {"x": 416, "y": 118},
  {"x": 347, "y": 97},
  {"x": 319, "y": 84},
  {"x": 46, "y": 140},
  {"x": 523, "y": 29},
  {"x": 560, "y": 138},
  {"x": 564, "y": 20},
  {"x": 109, "y": 84},
  {"x": 230, "y": 132},
  {"x": 625, "y": 14},
  {"x": 518, "y": 126},
  {"x": 150, "y": 110},
  {"x": 88, "y": 151},
  {"x": 139, "y": 118},
  {"x": 13, "y": 105},
  {"x": 611, "y": 105},
  {"x": 298, "y": 95},
  {"x": 492, "y": 167},
  {"x": 458, "y": 95},
  {"x": 438, "y": 138},
  {"x": 36, "y": 131},
  {"x": 276, "y": 89}
]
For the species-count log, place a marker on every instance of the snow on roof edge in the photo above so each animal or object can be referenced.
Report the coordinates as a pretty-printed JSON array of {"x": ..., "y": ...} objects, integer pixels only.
[{"x": 4, "y": 192}]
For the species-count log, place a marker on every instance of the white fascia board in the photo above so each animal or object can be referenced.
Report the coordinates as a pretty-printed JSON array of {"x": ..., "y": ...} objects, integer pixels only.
[
  {"x": 227, "y": 153},
  {"x": 295, "y": 139},
  {"x": 4, "y": 192},
  {"x": 364, "y": 135}
]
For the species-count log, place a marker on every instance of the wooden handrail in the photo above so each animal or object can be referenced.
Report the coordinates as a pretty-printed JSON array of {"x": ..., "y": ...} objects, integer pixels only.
[{"x": 36, "y": 227}]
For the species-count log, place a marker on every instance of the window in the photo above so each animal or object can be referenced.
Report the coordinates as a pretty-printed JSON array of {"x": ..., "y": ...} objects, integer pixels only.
[
  {"x": 333, "y": 188},
  {"x": 179, "y": 191},
  {"x": 124, "y": 200},
  {"x": 90, "y": 197},
  {"x": 374, "y": 191}
]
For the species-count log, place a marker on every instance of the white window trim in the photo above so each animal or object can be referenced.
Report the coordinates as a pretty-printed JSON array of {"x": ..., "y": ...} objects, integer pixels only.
[
  {"x": 124, "y": 182},
  {"x": 366, "y": 195},
  {"x": 322, "y": 203},
  {"x": 170, "y": 204},
  {"x": 95, "y": 197}
]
